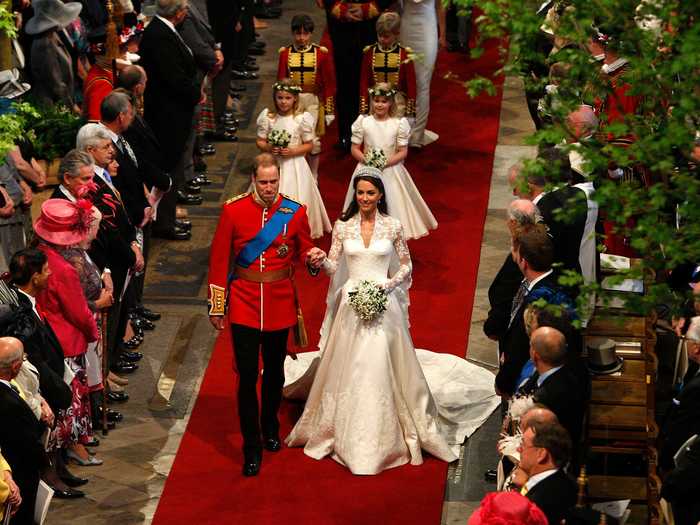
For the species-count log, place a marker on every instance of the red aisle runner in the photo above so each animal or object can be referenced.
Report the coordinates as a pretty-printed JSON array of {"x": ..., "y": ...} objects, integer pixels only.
[{"x": 453, "y": 175}]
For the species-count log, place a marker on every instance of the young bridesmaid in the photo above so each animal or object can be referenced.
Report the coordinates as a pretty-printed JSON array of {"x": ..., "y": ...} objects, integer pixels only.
[
  {"x": 381, "y": 140},
  {"x": 288, "y": 133}
]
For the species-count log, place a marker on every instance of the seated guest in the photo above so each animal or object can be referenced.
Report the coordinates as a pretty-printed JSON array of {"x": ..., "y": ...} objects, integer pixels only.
[
  {"x": 683, "y": 420},
  {"x": 680, "y": 486},
  {"x": 504, "y": 508},
  {"x": 543, "y": 455},
  {"x": 9, "y": 492},
  {"x": 20, "y": 432}
]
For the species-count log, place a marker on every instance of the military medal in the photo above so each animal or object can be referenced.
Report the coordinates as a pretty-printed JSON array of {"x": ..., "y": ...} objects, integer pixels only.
[{"x": 283, "y": 249}]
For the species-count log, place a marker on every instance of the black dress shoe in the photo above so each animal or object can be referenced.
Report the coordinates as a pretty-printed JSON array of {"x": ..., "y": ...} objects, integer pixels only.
[
  {"x": 251, "y": 464},
  {"x": 131, "y": 357},
  {"x": 186, "y": 198},
  {"x": 117, "y": 397},
  {"x": 176, "y": 234},
  {"x": 67, "y": 494},
  {"x": 71, "y": 480},
  {"x": 132, "y": 344},
  {"x": 114, "y": 416},
  {"x": 490, "y": 476},
  {"x": 243, "y": 75},
  {"x": 251, "y": 66},
  {"x": 192, "y": 188},
  {"x": 97, "y": 424},
  {"x": 122, "y": 367},
  {"x": 201, "y": 180},
  {"x": 184, "y": 224},
  {"x": 147, "y": 313},
  {"x": 256, "y": 51},
  {"x": 273, "y": 444},
  {"x": 224, "y": 136},
  {"x": 257, "y": 43}
]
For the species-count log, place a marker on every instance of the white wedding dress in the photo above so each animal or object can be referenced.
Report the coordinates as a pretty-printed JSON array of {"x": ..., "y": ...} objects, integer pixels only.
[
  {"x": 419, "y": 31},
  {"x": 403, "y": 199},
  {"x": 373, "y": 401},
  {"x": 296, "y": 179}
]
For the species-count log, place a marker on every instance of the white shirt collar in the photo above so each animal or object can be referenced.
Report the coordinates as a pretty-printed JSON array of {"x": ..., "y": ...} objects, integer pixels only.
[
  {"x": 112, "y": 134},
  {"x": 67, "y": 193},
  {"x": 538, "y": 279},
  {"x": 545, "y": 375},
  {"x": 538, "y": 198},
  {"x": 167, "y": 23},
  {"x": 31, "y": 300},
  {"x": 534, "y": 480}
]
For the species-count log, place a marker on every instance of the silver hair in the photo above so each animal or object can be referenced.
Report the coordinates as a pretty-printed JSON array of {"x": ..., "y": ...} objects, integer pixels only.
[
  {"x": 523, "y": 214},
  {"x": 693, "y": 332},
  {"x": 10, "y": 358},
  {"x": 90, "y": 136},
  {"x": 168, "y": 8},
  {"x": 72, "y": 162}
]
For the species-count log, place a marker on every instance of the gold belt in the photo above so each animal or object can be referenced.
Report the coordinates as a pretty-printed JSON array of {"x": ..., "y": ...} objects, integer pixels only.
[{"x": 264, "y": 277}]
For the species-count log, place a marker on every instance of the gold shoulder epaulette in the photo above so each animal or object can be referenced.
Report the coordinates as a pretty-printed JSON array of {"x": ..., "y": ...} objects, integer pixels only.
[
  {"x": 323, "y": 48},
  {"x": 237, "y": 198},
  {"x": 290, "y": 198},
  {"x": 367, "y": 47},
  {"x": 281, "y": 49}
]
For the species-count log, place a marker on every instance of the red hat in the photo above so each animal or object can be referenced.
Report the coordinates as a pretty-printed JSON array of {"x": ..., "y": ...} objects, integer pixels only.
[
  {"x": 507, "y": 508},
  {"x": 63, "y": 222}
]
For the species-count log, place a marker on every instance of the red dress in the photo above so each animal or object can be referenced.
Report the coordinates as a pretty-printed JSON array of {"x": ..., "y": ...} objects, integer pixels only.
[{"x": 264, "y": 306}]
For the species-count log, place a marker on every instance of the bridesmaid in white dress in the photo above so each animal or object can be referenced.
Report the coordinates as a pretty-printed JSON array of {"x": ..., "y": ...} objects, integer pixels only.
[
  {"x": 419, "y": 31},
  {"x": 383, "y": 131},
  {"x": 370, "y": 406},
  {"x": 296, "y": 179}
]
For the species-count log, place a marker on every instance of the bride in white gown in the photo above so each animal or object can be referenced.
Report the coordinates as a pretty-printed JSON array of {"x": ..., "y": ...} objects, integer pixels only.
[{"x": 370, "y": 406}]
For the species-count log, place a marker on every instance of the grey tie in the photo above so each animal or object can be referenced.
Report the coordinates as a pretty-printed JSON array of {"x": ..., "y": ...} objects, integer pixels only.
[
  {"x": 518, "y": 300},
  {"x": 124, "y": 146}
]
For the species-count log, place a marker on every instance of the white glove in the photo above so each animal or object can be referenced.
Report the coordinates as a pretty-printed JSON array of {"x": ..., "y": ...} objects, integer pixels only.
[{"x": 329, "y": 119}]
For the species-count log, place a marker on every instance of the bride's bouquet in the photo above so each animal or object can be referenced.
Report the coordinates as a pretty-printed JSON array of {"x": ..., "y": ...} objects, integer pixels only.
[
  {"x": 368, "y": 300},
  {"x": 279, "y": 138},
  {"x": 375, "y": 158}
]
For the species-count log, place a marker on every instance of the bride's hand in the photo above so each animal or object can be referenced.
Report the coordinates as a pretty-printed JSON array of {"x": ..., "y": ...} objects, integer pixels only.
[{"x": 315, "y": 257}]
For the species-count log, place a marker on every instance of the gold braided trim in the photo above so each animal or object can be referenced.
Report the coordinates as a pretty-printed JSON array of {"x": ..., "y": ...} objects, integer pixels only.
[{"x": 217, "y": 300}]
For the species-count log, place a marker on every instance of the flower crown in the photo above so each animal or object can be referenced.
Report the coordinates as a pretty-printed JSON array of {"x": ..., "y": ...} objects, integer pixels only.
[
  {"x": 290, "y": 88},
  {"x": 382, "y": 92}
]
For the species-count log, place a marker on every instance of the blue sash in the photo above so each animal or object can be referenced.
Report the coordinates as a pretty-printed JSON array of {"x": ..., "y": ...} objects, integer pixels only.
[{"x": 266, "y": 235}]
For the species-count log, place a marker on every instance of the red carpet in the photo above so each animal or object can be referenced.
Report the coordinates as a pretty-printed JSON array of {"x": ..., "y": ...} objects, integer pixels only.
[{"x": 453, "y": 174}]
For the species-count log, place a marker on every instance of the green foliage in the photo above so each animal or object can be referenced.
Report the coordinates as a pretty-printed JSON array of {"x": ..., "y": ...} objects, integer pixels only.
[
  {"x": 7, "y": 22},
  {"x": 14, "y": 125},
  {"x": 661, "y": 41},
  {"x": 53, "y": 131}
]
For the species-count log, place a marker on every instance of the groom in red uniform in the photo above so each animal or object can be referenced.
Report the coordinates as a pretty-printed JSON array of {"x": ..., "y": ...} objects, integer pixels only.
[{"x": 251, "y": 269}]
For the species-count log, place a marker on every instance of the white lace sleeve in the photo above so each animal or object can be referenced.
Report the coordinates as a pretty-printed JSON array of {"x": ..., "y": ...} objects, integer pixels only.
[
  {"x": 263, "y": 124},
  {"x": 307, "y": 127},
  {"x": 405, "y": 268},
  {"x": 404, "y": 132},
  {"x": 358, "y": 131},
  {"x": 330, "y": 264}
]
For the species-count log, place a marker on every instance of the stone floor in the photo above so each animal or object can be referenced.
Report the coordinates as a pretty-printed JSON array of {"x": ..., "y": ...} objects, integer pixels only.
[{"x": 138, "y": 455}]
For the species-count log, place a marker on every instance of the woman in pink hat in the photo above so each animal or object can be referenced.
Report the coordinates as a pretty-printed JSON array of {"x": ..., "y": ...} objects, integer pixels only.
[
  {"x": 507, "y": 508},
  {"x": 63, "y": 228}
]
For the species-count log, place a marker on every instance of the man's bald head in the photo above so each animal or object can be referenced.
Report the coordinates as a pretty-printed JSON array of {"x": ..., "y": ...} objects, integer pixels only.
[
  {"x": 538, "y": 414},
  {"x": 11, "y": 353},
  {"x": 548, "y": 346},
  {"x": 522, "y": 212}
]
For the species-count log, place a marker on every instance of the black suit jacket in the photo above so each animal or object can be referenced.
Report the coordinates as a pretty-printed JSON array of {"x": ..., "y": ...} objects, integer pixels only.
[
  {"x": 501, "y": 293},
  {"x": 20, "y": 435},
  {"x": 148, "y": 152},
  {"x": 555, "y": 496},
  {"x": 515, "y": 344},
  {"x": 173, "y": 88},
  {"x": 130, "y": 186},
  {"x": 563, "y": 393},
  {"x": 683, "y": 421},
  {"x": 566, "y": 236},
  {"x": 44, "y": 351}
]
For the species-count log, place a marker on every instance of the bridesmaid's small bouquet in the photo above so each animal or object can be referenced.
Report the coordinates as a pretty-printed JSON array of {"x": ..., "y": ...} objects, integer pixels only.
[
  {"x": 368, "y": 300},
  {"x": 376, "y": 158},
  {"x": 279, "y": 138}
]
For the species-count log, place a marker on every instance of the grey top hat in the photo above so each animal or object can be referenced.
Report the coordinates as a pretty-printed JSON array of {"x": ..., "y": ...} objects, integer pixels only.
[
  {"x": 10, "y": 85},
  {"x": 51, "y": 13},
  {"x": 602, "y": 358}
]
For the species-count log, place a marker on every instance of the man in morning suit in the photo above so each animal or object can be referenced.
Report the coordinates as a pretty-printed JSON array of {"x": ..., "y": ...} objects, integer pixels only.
[
  {"x": 20, "y": 431},
  {"x": 251, "y": 287},
  {"x": 544, "y": 453},
  {"x": 684, "y": 417},
  {"x": 532, "y": 251},
  {"x": 170, "y": 98}
]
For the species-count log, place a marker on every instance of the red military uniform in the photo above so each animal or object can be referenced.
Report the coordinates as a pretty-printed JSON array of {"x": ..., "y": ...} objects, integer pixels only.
[
  {"x": 99, "y": 83},
  {"x": 312, "y": 69},
  {"x": 394, "y": 66},
  {"x": 618, "y": 103},
  {"x": 265, "y": 306}
]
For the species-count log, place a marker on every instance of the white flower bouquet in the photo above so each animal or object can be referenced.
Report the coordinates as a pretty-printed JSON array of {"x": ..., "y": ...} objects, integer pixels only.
[
  {"x": 375, "y": 158},
  {"x": 279, "y": 138},
  {"x": 368, "y": 300}
]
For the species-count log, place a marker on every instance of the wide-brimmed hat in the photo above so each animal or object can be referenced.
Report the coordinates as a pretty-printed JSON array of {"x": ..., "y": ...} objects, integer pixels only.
[
  {"x": 507, "y": 508},
  {"x": 602, "y": 358},
  {"x": 63, "y": 222},
  {"x": 51, "y": 13},
  {"x": 10, "y": 85}
]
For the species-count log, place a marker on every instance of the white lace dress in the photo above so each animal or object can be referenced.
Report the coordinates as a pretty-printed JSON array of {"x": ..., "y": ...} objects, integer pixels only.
[
  {"x": 296, "y": 179},
  {"x": 403, "y": 199},
  {"x": 370, "y": 406}
]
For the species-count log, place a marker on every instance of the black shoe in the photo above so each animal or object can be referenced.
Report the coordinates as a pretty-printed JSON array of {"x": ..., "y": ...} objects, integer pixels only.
[
  {"x": 192, "y": 188},
  {"x": 114, "y": 416},
  {"x": 273, "y": 444},
  {"x": 201, "y": 180},
  {"x": 140, "y": 322},
  {"x": 117, "y": 397},
  {"x": 237, "y": 87},
  {"x": 68, "y": 493},
  {"x": 97, "y": 424},
  {"x": 186, "y": 198},
  {"x": 490, "y": 476},
  {"x": 147, "y": 313},
  {"x": 132, "y": 344},
  {"x": 94, "y": 442},
  {"x": 206, "y": 151},
  {"x": 131, "y": 357},
  {"x": 122, "y": 367},
  {"x": 259, "y": 44},
  {"x": 251, "y": 66},
  {"x": 243, "y": 75},
  {"x": 251, "y": 464},
  {"x": 256, "y": 51},
  {"x": 71, "y": 480},
  {"x": 183, "y": 224},
  {"x": 176, "y": 234},
  {"x": 224, "y": 136}
]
